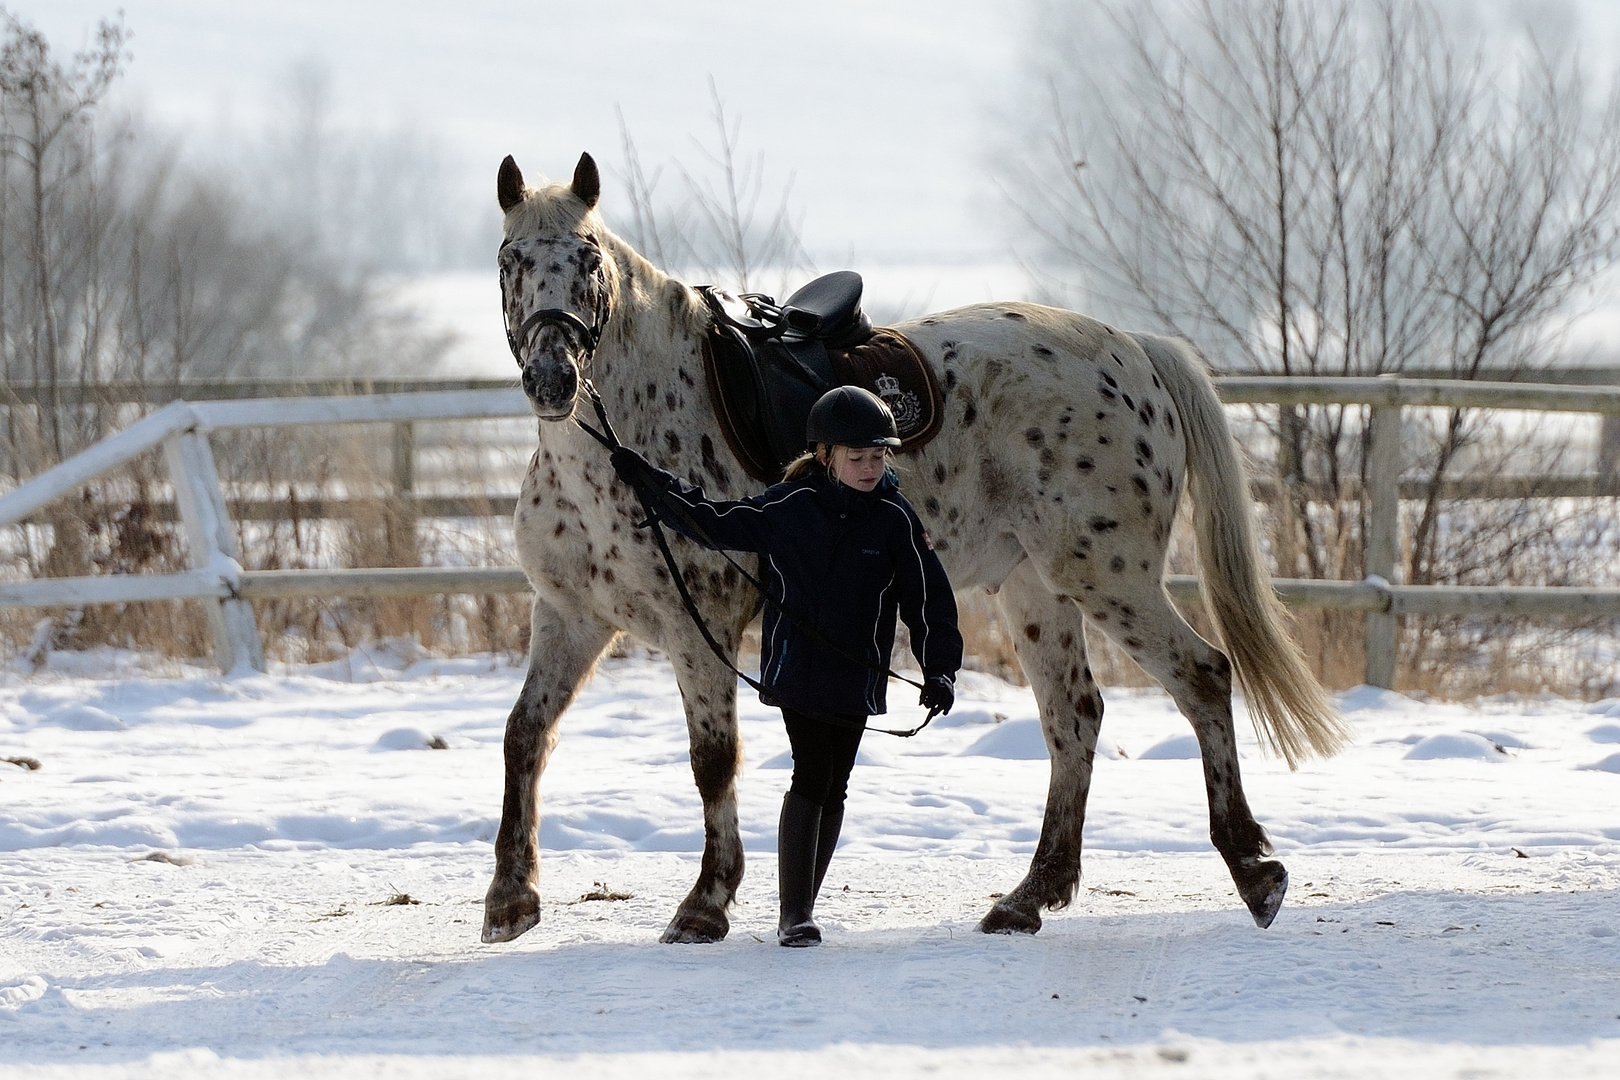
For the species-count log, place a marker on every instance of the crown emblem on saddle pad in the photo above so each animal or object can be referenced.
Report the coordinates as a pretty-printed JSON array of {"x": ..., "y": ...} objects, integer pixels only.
[{"x": 905, "y": 405}]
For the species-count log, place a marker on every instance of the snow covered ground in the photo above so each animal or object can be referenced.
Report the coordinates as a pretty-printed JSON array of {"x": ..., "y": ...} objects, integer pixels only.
[{"x": 196, "y": 882}]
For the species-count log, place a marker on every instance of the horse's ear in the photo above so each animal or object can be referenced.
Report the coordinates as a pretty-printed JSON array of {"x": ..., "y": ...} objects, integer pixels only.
[
  {"x": 587, "y": 181},
  {"x": 509, "y": 184}
]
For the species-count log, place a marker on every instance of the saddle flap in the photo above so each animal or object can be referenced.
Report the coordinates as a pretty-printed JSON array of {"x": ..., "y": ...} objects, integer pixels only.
[{"x": 763, "y": 384}]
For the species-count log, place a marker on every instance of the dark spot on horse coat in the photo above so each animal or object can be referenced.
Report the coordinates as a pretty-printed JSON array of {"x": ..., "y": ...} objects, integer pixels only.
[
  {"x": 561, "y": 528},
  {"x": 1040, "y": 350},
  {"x": 1141, "y": 484},
  {"x": 1129, "y": 404},
  {"x": 1102, "y": 524},
  {"x": 1084, "y": 465},
  {"x": 1117, "y": 564},
  {"x": 1012, "y": 315},
  {"x": 1032, "y": 631},
  {"x": 939, "y": 472},
  {"x": 673, "y": 441},
  {"x": 950, "y": 379},
  {"x": 969, "y": 414},
  {"x": 713, "y": 465},
  {"x": 1107, "y": 394},
  {"x": 1034, "y": 436},
  {"x": 1145, "y": 450},
  {"x": 932, "y": 506}
]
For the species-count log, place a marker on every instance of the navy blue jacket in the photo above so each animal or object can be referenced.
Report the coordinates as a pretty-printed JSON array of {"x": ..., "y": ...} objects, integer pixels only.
[{"x": 840, "y": 560}]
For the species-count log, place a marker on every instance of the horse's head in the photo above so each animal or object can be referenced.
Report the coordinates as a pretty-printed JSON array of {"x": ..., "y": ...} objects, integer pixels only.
[{"x": 555, "y": 285}]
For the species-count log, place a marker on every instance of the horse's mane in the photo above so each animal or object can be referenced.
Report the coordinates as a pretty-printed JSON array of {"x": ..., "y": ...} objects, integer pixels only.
[{"x": 554, "y": 208}]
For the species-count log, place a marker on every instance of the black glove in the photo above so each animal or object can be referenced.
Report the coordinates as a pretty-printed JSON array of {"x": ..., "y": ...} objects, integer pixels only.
[
  {"x": 633, "y": 469},
  {"x": 938, "y": 695}
]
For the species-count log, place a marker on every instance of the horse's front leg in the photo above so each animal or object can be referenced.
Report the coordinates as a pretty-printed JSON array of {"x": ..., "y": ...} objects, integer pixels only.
[
  {"x": 1049, "y": 635},
  {"x": 709, "y": 693},
  {"x": 562, "y": 649}
]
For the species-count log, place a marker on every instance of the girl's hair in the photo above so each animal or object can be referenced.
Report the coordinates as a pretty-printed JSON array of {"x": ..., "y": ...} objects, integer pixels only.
[{"x": 810, "y": 459}]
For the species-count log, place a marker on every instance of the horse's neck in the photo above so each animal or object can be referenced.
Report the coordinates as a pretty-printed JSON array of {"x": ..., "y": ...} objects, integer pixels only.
[{"x": 650, "y": 367}]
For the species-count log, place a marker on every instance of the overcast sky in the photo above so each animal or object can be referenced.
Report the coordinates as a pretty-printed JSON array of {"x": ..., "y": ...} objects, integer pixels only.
[
  {"x": 877, "y": 110},
  {"x": 881, "y": 110},
  {"x": 883, "y": 113}
]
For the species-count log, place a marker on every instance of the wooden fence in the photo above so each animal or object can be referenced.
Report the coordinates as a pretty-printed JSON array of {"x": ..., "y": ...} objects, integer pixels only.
[{"x": 216, "y": 577}]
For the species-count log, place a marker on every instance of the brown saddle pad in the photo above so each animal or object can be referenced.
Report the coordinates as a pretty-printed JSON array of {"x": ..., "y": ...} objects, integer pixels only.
[{"x": 887, "y": 364}]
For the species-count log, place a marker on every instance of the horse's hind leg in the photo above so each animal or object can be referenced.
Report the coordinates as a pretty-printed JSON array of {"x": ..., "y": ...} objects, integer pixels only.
[
  {"x": 709, "y": 693},
  {"x": 562, "y": 649},
  {"x": 1050, "y": 639},
  {"x": 1199, "y": 678}
]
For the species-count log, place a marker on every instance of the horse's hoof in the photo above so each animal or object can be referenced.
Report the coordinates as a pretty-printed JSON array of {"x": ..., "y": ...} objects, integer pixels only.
[
  {"x": 696, "y": 929},
  {"x": 1263, "y": 887},
  {"x": 508, "y": 919},
  {"x": 1007, "y": 919}
]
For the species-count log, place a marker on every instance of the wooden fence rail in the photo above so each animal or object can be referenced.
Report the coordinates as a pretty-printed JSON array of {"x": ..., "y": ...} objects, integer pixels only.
[{"x": 217, "y": 578}]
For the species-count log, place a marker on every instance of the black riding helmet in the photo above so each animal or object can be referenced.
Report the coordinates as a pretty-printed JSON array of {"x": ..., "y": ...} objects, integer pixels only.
[{"x": 851, "y": 416}]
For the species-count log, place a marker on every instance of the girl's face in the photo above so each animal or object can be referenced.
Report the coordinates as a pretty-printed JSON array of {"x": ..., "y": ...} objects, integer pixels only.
[{"x": 859, "y": 467}]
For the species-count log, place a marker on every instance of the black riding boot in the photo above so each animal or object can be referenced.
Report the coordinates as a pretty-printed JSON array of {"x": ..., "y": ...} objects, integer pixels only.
[
  {"x": 832, "y": 820},
  {"x": 796, "y": 870}
]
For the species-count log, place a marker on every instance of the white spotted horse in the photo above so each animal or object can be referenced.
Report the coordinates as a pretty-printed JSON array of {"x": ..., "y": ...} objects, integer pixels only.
[{"x": 1054, "y": 483}]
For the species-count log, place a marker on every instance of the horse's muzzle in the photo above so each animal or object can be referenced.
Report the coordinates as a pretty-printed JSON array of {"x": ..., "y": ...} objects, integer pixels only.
[{"x": 551, "y": 388}]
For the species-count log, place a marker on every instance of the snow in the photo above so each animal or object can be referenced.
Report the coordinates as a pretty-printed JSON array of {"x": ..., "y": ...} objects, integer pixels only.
[{"x": 197, "y": 882}]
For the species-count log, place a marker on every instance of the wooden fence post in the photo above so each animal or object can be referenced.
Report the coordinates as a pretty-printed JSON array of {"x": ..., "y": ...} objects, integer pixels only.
[
  {"x": 404, "y": 458},
  {"x": 1383, "y": 537},
  {"x": 213, "y": 547}
]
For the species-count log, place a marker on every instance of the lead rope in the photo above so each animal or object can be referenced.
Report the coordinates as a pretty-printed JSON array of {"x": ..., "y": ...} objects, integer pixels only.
[{"x": 610, "y": 439}]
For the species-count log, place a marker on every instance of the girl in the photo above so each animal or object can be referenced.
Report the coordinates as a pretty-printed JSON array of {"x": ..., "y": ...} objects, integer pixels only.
[{"x": 841, "y": 550}]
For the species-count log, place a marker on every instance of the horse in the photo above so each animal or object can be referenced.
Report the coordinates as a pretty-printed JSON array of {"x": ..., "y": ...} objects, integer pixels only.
[{"x": 1053, "y": 484}]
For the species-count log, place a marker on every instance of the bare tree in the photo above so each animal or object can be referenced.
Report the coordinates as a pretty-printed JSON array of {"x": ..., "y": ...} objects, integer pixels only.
[
  {"x": 1323, "y": 188},
  {"x": 121, "y": 261},
  {"x": 46, "y": 107},
  {"x": 721, "y": 228}
]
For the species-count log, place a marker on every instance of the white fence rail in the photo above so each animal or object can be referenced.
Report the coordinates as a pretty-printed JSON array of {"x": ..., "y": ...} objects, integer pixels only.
[{"x": 217, "y": 578}]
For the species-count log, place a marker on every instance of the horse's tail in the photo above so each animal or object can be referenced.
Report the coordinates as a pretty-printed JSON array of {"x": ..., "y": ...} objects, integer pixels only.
[{"x": 1292, "y": 713}]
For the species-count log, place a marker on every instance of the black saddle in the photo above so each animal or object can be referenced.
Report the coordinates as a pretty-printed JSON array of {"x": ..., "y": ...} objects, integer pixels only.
[{"x": 768, "y": 363}]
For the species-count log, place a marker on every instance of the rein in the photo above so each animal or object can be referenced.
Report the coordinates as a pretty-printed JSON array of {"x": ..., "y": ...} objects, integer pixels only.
[{"x": 610, "y": 440}]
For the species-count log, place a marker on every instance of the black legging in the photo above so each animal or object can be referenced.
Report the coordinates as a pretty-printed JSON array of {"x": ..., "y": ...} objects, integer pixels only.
[{"x": 823, "y": 754}]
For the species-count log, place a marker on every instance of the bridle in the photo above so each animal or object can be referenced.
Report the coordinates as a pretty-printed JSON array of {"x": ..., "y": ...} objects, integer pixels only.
[{"x": 590, "y": 334}]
